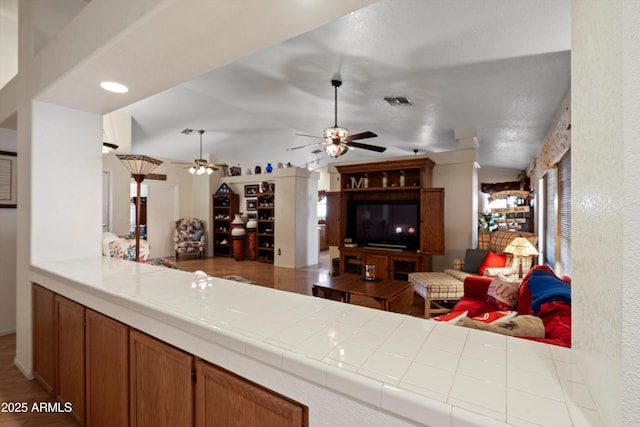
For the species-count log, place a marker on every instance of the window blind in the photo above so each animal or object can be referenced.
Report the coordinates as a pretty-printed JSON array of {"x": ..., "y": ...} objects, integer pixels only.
[
  {"x": 564, "y": 213},
  {"x": 550, "y": 217}
]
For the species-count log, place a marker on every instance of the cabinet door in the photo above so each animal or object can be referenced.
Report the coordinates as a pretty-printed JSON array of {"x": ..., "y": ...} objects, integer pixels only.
[
  {"x": 107, "y": 375},
  {"x": 44, "y": 339},
  {"x": 401, "y": 266},
  {"x": 432, "y": 221},
  {"x": 382, "y": 265},
  {"x": 69, "y": 317},
  {"x": 333, "y": 219},
  {"x": 224, "y": 399},
  {"x": 161, "y": 389}
]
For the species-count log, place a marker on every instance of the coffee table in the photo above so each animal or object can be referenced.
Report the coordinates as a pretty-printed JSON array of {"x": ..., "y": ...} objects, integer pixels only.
[{"x": 392, "y": 295}]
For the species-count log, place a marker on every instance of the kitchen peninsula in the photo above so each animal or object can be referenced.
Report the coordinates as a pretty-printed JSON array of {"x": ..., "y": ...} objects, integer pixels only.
[{"x": 344, "y": 364}]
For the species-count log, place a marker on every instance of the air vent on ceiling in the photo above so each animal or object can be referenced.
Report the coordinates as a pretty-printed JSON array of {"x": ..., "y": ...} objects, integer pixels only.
[
  {"x": 316, "y": 151},
  {"x": 398, "y": 100}
]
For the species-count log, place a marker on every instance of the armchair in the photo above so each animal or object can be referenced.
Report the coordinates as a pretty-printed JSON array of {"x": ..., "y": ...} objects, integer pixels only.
[{"x": 189, "y": 237}]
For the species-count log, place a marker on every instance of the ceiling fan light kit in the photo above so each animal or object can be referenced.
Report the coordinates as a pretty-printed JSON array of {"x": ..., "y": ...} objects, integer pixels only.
[
  {"x": 337, "y": 140},
  {"x": 200, "y": 166}
]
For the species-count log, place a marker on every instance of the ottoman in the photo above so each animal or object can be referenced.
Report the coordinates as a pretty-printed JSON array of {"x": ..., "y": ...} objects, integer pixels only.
[{"x": 435, "y": 287}]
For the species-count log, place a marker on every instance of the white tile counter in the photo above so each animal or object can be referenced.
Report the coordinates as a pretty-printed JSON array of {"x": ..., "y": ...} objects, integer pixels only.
[{"x": 350, "y": 365}]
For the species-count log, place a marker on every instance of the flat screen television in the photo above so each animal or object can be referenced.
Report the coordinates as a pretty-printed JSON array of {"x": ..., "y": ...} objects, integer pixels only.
[{"x": 385, "y": 223}]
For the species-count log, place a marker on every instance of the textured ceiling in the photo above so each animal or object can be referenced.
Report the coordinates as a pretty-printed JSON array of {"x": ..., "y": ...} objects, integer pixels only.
[{"x": 499, "y": 68}]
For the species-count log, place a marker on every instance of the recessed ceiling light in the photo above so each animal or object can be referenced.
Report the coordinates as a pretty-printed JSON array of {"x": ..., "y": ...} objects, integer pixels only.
[{"x": 114, "y": 87}]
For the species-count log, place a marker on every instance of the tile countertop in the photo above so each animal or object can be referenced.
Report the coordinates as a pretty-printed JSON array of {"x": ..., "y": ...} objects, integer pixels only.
[{"x": 417, "y": 368}]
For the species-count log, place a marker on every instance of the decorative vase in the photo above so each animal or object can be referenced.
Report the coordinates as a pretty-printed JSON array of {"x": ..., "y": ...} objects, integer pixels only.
[
  {"x": 252, "y": 237},
  {"x": 269, "y": 168},
  {"x": 238, "y": 231},
  {"x": 258, "y": 170},
  {"x": 237, "y": 220}
]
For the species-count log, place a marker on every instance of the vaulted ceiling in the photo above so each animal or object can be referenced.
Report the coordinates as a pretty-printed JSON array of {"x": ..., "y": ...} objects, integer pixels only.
[{"x": 497, "y": 68}]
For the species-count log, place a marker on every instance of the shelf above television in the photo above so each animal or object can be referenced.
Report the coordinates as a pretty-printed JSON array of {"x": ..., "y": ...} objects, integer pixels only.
[{"x": 405, "y": 188}]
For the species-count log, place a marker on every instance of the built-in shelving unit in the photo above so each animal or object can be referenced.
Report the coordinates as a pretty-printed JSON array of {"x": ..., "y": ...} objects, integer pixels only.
[
  {"x": 225, "y": 206},
  {"x": 390, "y": 181},
  {"x": 266, "y": 212}
]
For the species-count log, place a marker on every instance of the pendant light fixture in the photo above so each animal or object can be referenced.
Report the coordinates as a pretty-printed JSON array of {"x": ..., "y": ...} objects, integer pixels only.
[{"x": 200, "y": 165}]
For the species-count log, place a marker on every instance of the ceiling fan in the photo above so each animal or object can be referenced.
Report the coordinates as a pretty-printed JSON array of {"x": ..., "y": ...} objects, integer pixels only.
[
  {"x": 337, "y": 140},
  {"x": 200, "y": 166}
]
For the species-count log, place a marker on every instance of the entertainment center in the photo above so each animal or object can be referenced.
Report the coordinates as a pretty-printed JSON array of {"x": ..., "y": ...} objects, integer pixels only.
[{"x": 387, "y": 214}]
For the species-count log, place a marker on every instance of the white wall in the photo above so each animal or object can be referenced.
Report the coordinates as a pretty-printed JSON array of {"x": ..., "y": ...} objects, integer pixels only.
[
  {"x": 456, "y": 173},
  {"x": 605, "y": 155},
  {"x": 65, "y": 221},
  {"x": 8, "y": 40},
  {"x": 8, "y": 142}
]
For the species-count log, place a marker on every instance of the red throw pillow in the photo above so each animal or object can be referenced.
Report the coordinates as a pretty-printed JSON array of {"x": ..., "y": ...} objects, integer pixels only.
[{"x": 492, "y": 260}]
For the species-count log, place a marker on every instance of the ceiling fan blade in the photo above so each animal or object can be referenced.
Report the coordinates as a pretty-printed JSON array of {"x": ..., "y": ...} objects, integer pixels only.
[
  {"x": 366, "y": 146},
  {"x": 309, "y": 136},
  {"x": 303, "y": 146},
  {"x": 363, "y": 135}
]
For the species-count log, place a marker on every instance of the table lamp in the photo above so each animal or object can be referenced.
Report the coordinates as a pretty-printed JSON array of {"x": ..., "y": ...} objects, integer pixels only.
[{"x": 520, "y": 247}]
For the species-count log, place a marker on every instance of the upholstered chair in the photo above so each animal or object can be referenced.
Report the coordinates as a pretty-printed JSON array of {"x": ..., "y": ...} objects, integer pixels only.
[{"x": 189, "y": 237}]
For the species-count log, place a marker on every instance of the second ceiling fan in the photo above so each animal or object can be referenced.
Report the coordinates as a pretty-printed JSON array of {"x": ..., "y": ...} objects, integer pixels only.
[{"x": 337, "y": 140}]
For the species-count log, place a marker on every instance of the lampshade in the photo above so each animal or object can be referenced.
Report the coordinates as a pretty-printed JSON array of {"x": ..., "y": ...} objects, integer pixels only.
[
  {"x": 336, "y": 133},
  {"x": 520, "y": 246},
  {"x": 139, "y": 164},
  {"x": 336, "y": 150}
]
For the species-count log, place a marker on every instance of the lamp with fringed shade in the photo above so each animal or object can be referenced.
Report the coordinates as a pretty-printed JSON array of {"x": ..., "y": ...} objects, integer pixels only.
[
  {"x": 139, "y": 166},
  {"x": 520, "y": 247}
]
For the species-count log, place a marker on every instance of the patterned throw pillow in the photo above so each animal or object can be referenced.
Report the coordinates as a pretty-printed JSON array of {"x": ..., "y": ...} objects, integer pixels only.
[{"x": 503, "y": 293}]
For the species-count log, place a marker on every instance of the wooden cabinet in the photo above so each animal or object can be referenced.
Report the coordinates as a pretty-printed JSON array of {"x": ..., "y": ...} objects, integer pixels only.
[
  {"x": 225, "y": 206},
  {"x": 107, "y": 371},
  {"x": 114, "y": 375},
  {"x": 224, "y": 399},
  {"x": 391, "y": 182},
  {"x": 389, "y": 264},
  {"x": 266, "y": 227},
  {"x": 161, "y": 383},
  {"x": 44, "y": 338},
  {"x": 70, "y": 374},
  {"x": 432, "y": 221}
]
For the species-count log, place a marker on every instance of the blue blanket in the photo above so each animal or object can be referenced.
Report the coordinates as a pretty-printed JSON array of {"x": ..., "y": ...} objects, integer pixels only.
[{"x": 547, "y": 287}]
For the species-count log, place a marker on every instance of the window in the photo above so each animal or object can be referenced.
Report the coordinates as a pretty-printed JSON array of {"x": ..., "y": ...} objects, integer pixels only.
[{"x": 556, "y": 220}]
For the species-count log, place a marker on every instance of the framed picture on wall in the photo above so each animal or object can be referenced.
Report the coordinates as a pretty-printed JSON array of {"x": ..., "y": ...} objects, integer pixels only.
[
  {"x": 251, "y": 190},
  {"x": 8, "y": 179},
  {"x": 252, "y": 204}
]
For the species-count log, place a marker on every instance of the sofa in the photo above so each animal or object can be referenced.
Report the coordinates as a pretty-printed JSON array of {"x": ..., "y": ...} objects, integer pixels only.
[
  {"x": 123, "y": 247},
  {"x": 541, "y": 294},
  {"x": 488, "y": 259}
]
